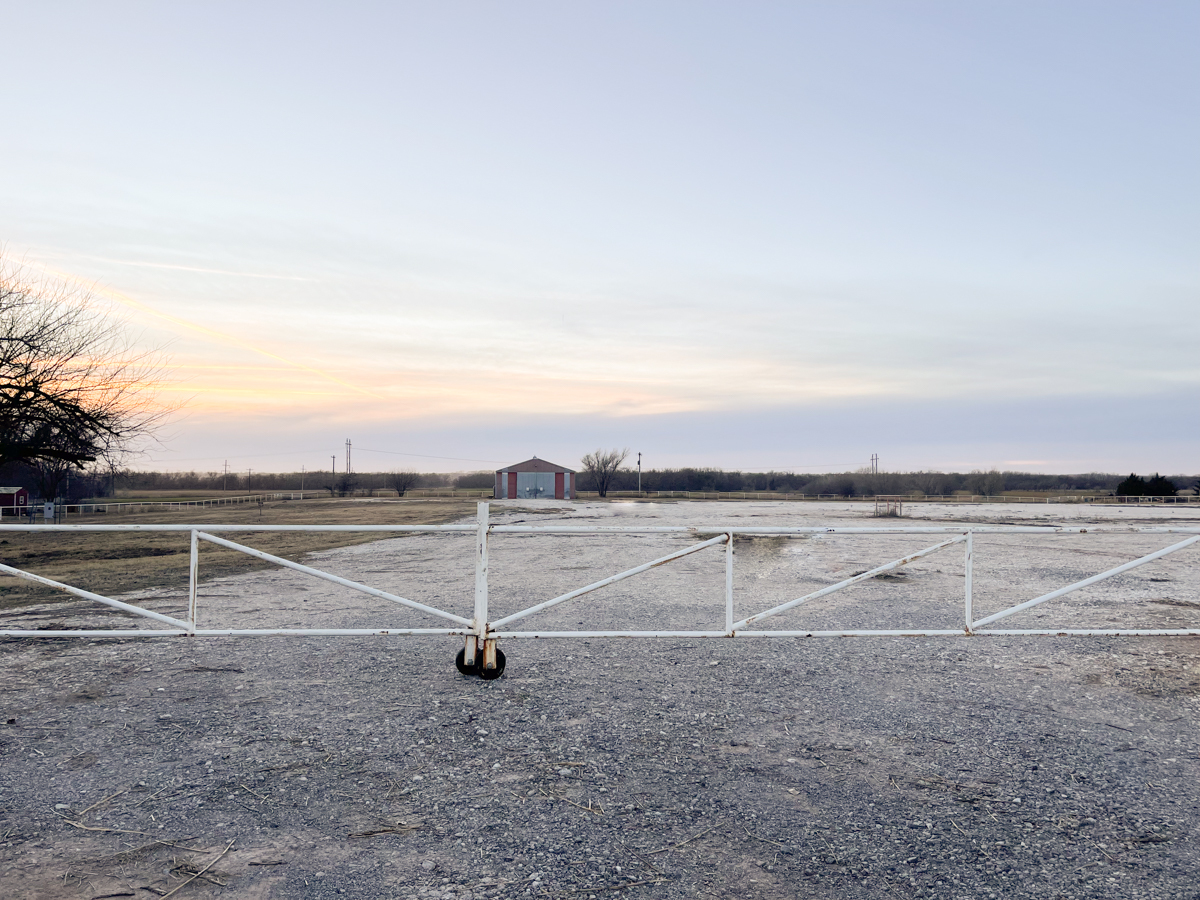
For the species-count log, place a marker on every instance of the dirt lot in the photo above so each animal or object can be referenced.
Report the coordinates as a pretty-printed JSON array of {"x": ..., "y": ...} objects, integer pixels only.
[{"x": 835, "y": 768}]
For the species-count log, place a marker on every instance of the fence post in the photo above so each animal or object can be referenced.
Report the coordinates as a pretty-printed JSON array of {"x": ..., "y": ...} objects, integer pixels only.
[
  {"x": 969, "y": 566},
  {"x": 481, "y": 571},
  {"x": 193, "y": 577},
  {"x": 729, "y": 583}
]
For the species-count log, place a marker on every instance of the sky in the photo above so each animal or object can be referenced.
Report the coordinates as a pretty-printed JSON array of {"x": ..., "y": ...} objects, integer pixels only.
[{"x": 741, "y": 235}]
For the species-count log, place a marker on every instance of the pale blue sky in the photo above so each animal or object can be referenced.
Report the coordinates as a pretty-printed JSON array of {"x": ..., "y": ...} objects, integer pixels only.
[{"x": 724, "y": 234}]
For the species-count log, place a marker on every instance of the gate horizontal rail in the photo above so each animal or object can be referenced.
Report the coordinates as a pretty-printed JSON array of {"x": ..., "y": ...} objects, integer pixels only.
[
  {"x": 481, "y": 632},
  {"x": 642, "y": 529}
]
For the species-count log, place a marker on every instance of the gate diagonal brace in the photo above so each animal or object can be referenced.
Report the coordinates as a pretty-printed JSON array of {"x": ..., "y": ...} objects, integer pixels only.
[
  {"x": 335, "y": 579},
  {"x": 886, "y": 567},
  {"x": 1133, "y": 564},
  {"x": 612, "y": 579},
  {"x": 187, "y": 627}
]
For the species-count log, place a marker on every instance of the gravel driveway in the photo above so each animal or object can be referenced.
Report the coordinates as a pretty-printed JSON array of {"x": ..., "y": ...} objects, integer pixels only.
[{"x": 789, "y": 768}]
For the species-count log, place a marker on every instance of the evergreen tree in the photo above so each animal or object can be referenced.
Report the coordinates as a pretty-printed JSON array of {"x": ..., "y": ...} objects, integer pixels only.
[
  {"x": 1132, "y": 487},
  {"x": 1160, "y": 487}
]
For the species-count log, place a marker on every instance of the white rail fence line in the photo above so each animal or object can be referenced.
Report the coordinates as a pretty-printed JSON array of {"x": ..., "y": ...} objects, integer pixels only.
[
  {"x": 481, "y": 632},
  {"x": 107, "y": 507},
  {"x": 124, "y": 506},
  {"x": 907, "y": 498}
]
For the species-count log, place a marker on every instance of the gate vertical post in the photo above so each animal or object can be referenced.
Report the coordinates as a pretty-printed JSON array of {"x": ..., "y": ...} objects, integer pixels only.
[
  {"x": 481, "y": 572},
  {"x": 193, "y": 577},
  {"x": 729, "y": 583},
  {"x": 969, "y": 567}
]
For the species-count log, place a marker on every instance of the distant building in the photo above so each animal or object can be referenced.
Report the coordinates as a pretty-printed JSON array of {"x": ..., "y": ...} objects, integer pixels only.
[
  {"x": 13, "y": 501},
  {"x": 535, "y": 478}
]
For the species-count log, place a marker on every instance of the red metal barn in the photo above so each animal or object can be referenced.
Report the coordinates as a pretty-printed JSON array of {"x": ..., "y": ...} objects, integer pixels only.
[
  {"x": 535, "y": 478},
  {"x": 13, "y": 501}
]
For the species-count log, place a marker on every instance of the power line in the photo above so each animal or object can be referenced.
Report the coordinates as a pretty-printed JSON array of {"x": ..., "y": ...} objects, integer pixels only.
[
  {"x": 201, "y": 459},
  {"x": 756, "y": 468},
  {"x": 430, "y": 456},
  {"x": 832, "y": 467},
  {"x": 243, "y": 456}
]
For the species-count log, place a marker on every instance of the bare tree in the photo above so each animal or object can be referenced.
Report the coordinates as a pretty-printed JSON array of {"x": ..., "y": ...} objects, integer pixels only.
[
  {"x": 602, "y": 465},
  {"x": 403, "y": 481},
  {"x": 49, "y": 476},
  {"x": 72, "y": 386},
  {"x": 987, "y": 484}
]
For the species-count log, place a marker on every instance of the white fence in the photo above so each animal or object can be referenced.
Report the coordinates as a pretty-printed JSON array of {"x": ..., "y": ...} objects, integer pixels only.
[
  {"x": 908, "y": 498},
  {"x": 481, "y": 630},
  {"x": 132, "y": 506},
  {"x": 119, "y": 507}
]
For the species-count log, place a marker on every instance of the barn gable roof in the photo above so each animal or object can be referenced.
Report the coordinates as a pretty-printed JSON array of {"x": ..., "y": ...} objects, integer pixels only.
[{"x": 535, "y": 465}]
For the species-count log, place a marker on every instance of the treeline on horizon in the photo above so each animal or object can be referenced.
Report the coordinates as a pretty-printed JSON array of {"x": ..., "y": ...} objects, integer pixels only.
[
  {"x": 842, "y": 484},
  {"x": 870, "y": 484}
]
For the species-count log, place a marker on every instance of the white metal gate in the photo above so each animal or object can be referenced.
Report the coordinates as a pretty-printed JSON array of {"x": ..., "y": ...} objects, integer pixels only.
[{"x": 480, "y": 654}]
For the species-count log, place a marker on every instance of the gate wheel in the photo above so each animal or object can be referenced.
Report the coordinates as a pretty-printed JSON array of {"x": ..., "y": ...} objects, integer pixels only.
[
  {"x": 489, "y": 674},
  {"x": 460, "y": 663}
]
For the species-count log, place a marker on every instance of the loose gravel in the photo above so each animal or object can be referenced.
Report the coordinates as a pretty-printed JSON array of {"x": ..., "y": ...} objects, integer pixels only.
[{"x": 665, "y": 768}]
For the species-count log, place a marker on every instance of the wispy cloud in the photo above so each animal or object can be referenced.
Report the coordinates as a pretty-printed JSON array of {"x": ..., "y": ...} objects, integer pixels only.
[
  {"x": 203, "y": 270},
  {"x": 209, "y": 333}
]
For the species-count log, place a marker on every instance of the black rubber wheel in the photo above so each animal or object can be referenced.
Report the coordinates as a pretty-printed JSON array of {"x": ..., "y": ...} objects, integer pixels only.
[
  {"x": 489, "y": 674},
  {"x": 461, "y": 664}
]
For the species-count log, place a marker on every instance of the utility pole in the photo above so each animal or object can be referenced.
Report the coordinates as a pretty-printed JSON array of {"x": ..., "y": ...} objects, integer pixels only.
[
  {"x": 302, "y": 482},
  {"x": 333, "y": 464},
  {"x": 348, "y": 469},
  {"x": 639, "y": 472},
  {"x": 225, "y": 480},
  {"x": 874, "y": 463},
  {"x": 247, "y": 481}
]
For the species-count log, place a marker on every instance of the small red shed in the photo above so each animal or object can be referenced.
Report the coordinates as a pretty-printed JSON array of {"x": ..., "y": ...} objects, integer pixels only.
[
  {"x": 13, "y": 501},
  {"x": 535, "y": 478}
]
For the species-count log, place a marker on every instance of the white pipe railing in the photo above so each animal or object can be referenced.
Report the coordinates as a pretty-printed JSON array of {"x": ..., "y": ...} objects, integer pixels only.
[{"x": 483, "y": 627}]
